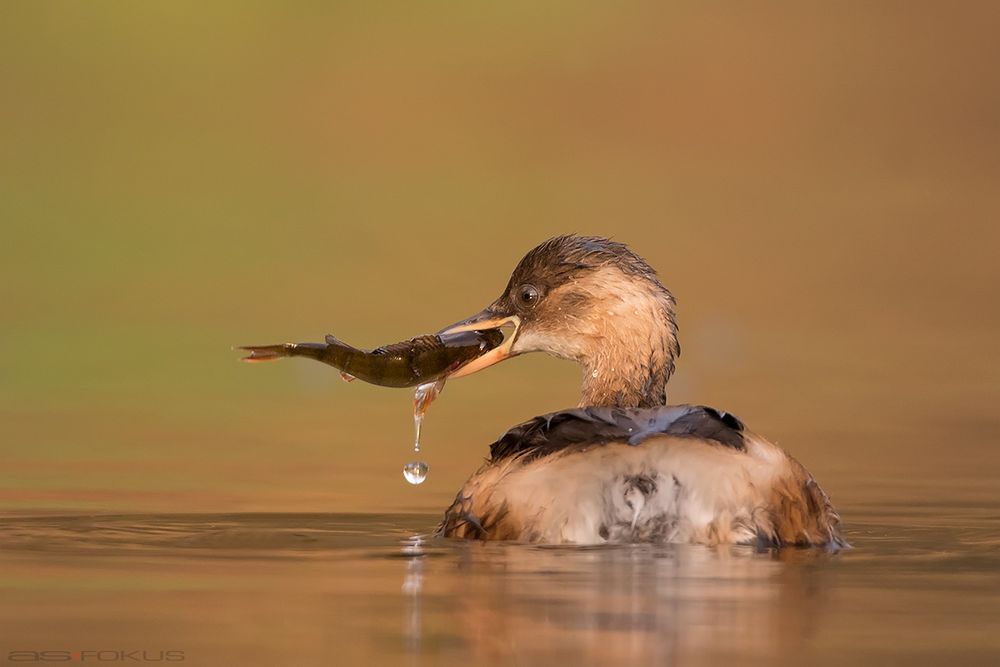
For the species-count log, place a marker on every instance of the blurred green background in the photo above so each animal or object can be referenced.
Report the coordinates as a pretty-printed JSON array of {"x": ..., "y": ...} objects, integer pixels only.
[{"x": 818, "y": 185}]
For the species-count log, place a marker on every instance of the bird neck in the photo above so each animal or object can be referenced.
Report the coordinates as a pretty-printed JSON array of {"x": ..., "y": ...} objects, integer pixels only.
[
  {"x": 630, "y": 369},
  {"x": 618, "y": 385}
]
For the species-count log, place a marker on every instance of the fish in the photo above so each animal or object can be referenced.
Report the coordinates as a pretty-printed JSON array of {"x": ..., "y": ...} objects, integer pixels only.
[{"x": 418, "y": 361}]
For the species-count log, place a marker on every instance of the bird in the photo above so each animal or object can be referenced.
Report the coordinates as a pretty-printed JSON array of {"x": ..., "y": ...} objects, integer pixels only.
[{"x": 623, "y": 466}]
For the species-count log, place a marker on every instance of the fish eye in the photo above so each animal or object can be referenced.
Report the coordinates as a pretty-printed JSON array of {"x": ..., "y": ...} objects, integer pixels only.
[{"x": 527, "y": 295}]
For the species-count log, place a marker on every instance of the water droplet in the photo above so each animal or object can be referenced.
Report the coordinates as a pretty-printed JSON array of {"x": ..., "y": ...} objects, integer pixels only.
[
  {"x": 594, "y": 374},
  {"x": 415, "y": 472}
]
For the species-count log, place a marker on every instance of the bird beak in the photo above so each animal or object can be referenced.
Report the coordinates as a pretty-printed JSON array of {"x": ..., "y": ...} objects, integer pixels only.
[{"x": 486, "y": 319}]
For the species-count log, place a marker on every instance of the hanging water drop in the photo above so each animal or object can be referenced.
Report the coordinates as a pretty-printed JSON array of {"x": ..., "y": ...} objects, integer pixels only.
[
  {"x": 415, "y": 472},
  {"x": 418, "y": 421}
]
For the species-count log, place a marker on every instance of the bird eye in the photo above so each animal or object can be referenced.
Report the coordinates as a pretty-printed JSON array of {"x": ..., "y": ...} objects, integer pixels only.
[{"x": 527, "y": 295}]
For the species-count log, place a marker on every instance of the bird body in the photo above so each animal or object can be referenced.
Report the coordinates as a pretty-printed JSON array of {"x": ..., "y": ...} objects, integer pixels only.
[
  {"x": 623, "y": 466},
  {"x": 678, "y": 474}
]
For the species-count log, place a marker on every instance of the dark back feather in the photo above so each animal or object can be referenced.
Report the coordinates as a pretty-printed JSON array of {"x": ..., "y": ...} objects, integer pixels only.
[{"x": 585, "y": 427}]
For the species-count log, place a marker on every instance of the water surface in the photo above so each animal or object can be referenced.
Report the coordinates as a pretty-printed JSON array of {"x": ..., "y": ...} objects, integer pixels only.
[{"x": 919, "y": 587}]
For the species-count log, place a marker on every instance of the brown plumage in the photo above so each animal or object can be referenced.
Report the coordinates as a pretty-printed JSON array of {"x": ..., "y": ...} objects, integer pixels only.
[{"x": 623, "y": 466}]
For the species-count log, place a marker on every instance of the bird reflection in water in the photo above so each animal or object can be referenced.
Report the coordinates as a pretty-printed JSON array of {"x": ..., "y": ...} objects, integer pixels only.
[{"x": 609, "y": 604}]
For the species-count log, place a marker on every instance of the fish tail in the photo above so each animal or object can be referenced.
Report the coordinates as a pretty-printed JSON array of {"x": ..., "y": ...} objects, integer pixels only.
[
  {"x": 265, "y": 352},
  {"x": 273, "y": 352}
]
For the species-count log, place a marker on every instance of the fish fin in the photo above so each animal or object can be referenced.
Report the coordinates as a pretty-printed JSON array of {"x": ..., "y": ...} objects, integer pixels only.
[
  {"x": 260, "y": 353},
  {"x": 333, "y": 341},
  {"x": 347, "y": 377}
]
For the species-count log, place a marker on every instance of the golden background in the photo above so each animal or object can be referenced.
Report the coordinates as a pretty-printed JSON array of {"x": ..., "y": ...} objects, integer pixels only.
[{"x": 818, "y": 185}]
